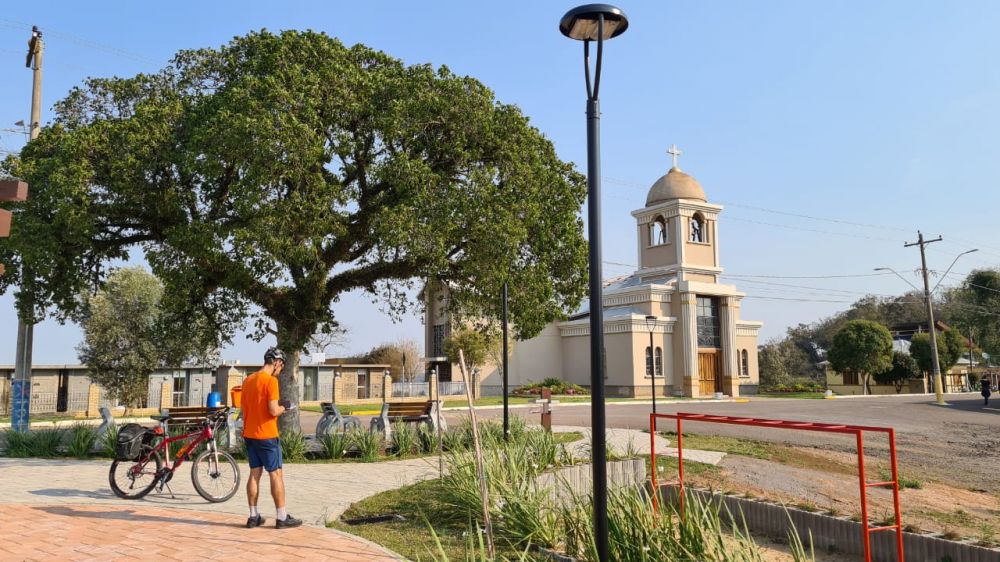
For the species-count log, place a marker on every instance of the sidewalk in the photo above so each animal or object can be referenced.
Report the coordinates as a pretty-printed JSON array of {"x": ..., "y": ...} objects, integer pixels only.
[{"x": 133, "y": 531}]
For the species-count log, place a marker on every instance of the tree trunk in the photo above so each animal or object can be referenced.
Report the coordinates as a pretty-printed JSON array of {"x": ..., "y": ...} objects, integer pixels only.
[
  {"x": 865, "y": 389},
  {"x": 288, "y": 383}
]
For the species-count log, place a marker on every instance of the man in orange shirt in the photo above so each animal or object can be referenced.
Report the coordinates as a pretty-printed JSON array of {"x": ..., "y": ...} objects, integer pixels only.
[{"x": 261, "y": 405}]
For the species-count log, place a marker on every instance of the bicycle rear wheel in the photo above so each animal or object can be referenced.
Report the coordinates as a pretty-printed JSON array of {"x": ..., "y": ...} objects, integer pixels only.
[
  {"x": 132, "y": 480},
  {"x": 215, "y": 475}
]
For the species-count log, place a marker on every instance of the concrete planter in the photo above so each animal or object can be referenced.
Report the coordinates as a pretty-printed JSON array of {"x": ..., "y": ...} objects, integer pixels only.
[{"x": 579, "y": 478}]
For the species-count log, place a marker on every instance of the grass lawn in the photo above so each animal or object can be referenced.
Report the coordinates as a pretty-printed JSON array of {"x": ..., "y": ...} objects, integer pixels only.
[
  {"x": 813, "y": 395},
  {"x": 412, "y": 538}
]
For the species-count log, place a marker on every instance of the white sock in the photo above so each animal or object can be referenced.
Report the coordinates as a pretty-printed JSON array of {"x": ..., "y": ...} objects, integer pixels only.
[
  {"x": 253, "y": 511},
  {"x": 282, "y": 514}
]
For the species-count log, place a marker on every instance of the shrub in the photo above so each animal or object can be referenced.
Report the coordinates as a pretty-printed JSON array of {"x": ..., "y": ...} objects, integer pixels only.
[
  {"x": 293, "y": 446},
  {"x": 556, "y": 386},
  {"x": 335, "y": 444},
  {"x": 46, "y": 442},
  {"x": 454, "y": 440},
  {"x": 404, "y": 439},
  {"x": 81, "y": 441},
  {"x": 428, "y": 439},
  {"x": 109, "y": 441},
  {"x": 17, "y": 444},
  {"x": 369, "y": 444}
]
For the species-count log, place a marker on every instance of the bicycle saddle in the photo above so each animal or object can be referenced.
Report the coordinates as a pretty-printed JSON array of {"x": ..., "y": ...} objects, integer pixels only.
[{"x": 162, "y": 418}]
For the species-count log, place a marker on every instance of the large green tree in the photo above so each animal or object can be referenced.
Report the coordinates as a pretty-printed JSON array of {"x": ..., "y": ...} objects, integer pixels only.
[
  {"x": 903, "y": 369},
  {"x": 127, "y": 334},
  {"x": 951, "y": 345},
  {"x": 265, "y": 179},
  {"x": 974, "y": 307},
  {"x": 862, "y": 347}
]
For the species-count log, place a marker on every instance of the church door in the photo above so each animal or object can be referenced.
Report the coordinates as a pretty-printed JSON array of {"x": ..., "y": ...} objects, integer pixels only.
[{"x": 708, "y": 372}]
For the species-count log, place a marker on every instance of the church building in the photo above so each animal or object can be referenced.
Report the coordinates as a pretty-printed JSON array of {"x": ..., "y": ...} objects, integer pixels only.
[{"x": 700, "y": 344}]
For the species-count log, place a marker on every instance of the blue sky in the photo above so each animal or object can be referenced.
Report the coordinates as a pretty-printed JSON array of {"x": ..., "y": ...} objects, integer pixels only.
[{"x": 831, "y": 132}]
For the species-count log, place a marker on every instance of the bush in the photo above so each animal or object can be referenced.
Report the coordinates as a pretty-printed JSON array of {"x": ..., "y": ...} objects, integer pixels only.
[
  {"x": 293, "y": 446},
  {"x": 369, "y": 444},
  {"x": 17, "y": 444},
  {"x": 404, "y": 439},
  {"x": 81, "y": 441},
  {"x": 46, "y": 442},
  {"x": 428, "y": 439},
  {"x": 556, "y": 386},
  {"x": 109, "y": 441},
  {"x": 799, "y": 386},
  {"x": 335, "y": 444}
]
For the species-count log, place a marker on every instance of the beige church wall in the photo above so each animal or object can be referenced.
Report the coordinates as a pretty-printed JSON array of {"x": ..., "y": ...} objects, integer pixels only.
[
  {"x": 664, "y": 254},
  {"x": 664, "y": 384},
  {"x": 576, "y": 360},
  {"x": 531, "y": 360},
  {"x": 749, "y": 343},
  {"x": 699, "y": 254},
  {"x": 699, "y": 277},
  {"x": 621, "y": 364}
]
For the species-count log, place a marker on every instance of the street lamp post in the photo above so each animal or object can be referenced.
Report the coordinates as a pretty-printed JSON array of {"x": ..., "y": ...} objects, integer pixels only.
[
  {"x": 651, "y": 324},
  {"x": 595, "y": 22},
  {"x": 932, "y": 325}
]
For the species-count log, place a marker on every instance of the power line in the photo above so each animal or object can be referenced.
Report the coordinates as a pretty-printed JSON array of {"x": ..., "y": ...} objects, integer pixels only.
[
  {"x": 804, "y": 229},
  {"x": 84, "y": 42}
]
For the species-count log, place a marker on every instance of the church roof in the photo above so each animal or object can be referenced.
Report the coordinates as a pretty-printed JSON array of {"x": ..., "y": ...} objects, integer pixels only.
[
  {"x": 620, "y": 282},
  {"x": 675, "y": 184}
]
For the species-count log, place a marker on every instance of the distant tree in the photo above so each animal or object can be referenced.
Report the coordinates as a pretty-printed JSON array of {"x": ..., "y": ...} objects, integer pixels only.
[
  {"x": 951, "y": 346},
  {"x": 782, "y": 361},
  {"x": 127, "y": 335},
  {"x": 403, "y": 357},
  {"x": 964, "y": 307},
  {"x": 329, "y": 334},
  {"x": 861, "y": 347},
  {"x": 475, "y": 344},
  {"x": 904, "y": 367}
]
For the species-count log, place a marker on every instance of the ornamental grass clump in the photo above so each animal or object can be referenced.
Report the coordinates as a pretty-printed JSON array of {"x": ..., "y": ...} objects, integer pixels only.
[
  {"x": 17, "y": 444},
  {"x": 109, "y": 441},
  {"x": 46, "y": 442},
  {"x": 335, "y": 444},
  {"x": 293, "y": 446},
  {"x": 369, "y": 444},
  {"x": 404, "y": 439},
  {"x": 81, "y": 441}
]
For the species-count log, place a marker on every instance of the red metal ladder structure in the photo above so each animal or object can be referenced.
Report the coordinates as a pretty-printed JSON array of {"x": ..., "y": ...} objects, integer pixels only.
[{"x": 856, "y": 430}]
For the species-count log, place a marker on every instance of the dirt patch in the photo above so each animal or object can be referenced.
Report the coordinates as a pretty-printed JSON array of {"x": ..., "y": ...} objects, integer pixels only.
[{"x": 935, "y": 507}]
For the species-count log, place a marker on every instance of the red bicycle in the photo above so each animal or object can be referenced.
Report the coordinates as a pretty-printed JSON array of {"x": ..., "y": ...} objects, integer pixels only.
[{"x": 143, "y": 460}]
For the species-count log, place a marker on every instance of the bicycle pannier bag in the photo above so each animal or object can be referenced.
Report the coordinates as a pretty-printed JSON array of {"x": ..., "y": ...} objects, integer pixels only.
[{"x": 130, "y": 439}]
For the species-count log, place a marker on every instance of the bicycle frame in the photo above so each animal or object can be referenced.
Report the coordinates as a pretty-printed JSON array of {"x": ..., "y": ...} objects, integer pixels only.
[{"x": 193, "y": 438}]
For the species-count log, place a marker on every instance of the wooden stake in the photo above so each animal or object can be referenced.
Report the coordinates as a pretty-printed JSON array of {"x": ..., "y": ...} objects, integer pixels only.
[{"x": 480, "y": 469}]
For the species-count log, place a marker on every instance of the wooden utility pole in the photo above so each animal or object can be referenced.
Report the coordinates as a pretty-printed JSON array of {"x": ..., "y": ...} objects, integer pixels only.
[
  {"x": 935, "y": 363},
  {"x": 25, "y": 328}
]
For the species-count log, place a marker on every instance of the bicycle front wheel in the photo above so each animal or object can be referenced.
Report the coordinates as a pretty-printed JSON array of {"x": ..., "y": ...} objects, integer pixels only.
[
  {"x": 215, "y": 475},
  {"x": 132, "y": 480}
]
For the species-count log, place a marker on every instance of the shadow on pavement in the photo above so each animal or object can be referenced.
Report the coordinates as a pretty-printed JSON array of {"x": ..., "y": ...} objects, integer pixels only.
[
  {"x": 71, "y": 493},
  {"x": 974, "y": 406},
  {"x": 130, "y": 515}
]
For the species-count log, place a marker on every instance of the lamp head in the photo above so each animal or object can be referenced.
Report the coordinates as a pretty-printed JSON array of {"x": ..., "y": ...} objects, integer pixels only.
[
  {"x": 650, "y": 322},
  {"x": 580, "y": 23}
]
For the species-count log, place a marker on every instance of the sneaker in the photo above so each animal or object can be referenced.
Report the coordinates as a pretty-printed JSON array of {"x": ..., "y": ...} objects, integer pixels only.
[
  {"x": 287, "y": 523},
  {"x": 255, "y": 521}
]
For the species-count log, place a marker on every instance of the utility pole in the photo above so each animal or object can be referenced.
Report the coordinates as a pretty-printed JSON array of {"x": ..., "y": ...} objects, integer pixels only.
[
  {"x": 25, "y": 327},
  {"x": 935, "y": 363}
]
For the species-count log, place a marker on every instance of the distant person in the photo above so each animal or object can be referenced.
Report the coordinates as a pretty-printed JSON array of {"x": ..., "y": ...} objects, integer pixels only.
[
  {"x": 261, "y": 406},
  {"x": 984, "y": 383}
]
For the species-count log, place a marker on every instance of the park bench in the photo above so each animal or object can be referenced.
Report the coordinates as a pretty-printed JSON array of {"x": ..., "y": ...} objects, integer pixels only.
[
  {"x": 332, "y": 420},
  {"x": 425, "y": 411},
  {"x": 189, "y": 418}
]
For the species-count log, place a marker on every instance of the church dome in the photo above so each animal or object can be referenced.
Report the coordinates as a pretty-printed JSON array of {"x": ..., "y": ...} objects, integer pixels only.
[{"x": 675, "y": 184}]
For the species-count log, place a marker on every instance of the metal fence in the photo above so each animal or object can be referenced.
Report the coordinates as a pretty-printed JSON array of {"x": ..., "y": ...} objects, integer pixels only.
[
  {"x": 451, "y": 388},
  {"x": 410, "y": 389}
]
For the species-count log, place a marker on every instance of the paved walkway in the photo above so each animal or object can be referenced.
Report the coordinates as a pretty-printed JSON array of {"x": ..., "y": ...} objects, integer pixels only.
[{"x": 142, "y": 532}]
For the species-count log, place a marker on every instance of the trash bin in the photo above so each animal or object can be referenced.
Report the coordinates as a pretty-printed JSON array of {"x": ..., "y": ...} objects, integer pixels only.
[
  {"x": 234, "y": 396},
  {"x": 214, "y": 400}
]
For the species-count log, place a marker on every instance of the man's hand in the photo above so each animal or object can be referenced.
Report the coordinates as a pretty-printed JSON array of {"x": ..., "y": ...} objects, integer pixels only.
[{"x": 286, "y": 404}]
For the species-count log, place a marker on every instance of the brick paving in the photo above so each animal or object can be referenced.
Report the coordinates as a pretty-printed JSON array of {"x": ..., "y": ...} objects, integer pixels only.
[
  {"x": 52, "y": 510},
  {"x": 143, "y": 532}
]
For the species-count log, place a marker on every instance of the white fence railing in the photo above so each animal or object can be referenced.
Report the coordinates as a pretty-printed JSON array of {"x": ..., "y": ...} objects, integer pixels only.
[
  {"x": 410, "y": 389},
  {"x": 451, "y": 388}
]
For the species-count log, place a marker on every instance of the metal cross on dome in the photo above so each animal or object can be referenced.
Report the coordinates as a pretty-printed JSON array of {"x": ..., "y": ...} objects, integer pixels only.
[{"x": 674, "y": 153}]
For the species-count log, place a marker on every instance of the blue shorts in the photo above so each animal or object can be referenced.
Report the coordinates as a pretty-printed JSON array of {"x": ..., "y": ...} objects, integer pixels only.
[{"x": 264, "y": 452}]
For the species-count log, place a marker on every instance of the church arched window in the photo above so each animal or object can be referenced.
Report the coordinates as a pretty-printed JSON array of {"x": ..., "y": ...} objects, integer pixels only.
[
  {"x": 649, "y": 361},
  {"x": 745, "y": 363},
  {"x": 659, "y": 361},
  {"x": 658, "y": 231},
  {"x": 698, "y": 233}
]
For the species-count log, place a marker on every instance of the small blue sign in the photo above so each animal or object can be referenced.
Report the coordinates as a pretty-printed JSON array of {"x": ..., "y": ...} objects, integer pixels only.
[{"x": 20, "y": 405}]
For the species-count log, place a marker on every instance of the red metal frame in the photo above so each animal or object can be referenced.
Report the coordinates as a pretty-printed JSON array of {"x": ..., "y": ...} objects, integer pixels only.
[
  {"x": 856, "y": 430},
  {"x": 194, "y": 439}
]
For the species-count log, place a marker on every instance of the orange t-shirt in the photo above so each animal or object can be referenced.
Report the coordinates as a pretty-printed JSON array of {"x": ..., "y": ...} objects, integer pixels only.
[{"x": 258, "y": 389}]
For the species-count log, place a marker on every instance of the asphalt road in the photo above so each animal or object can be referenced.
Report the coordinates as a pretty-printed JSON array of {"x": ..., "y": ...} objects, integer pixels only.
[{"x": 959, "y": 443}]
